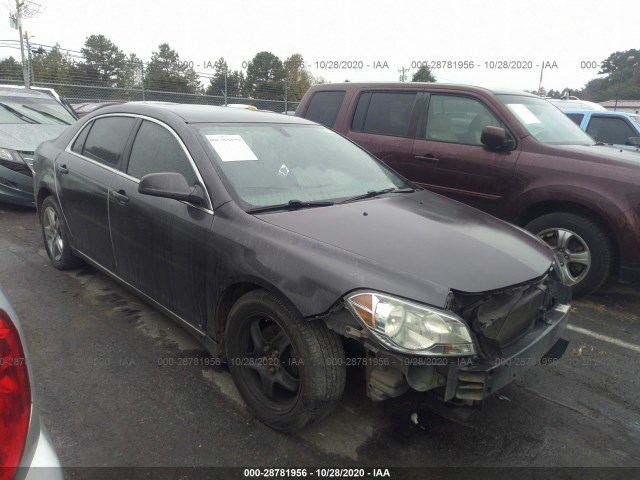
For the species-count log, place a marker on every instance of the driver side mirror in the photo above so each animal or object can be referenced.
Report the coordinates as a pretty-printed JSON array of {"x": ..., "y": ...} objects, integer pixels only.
[
  {"x": 495, "y": 138},
  {"x": 170, "y": 185},
  {"x": 635, "y": 141}
]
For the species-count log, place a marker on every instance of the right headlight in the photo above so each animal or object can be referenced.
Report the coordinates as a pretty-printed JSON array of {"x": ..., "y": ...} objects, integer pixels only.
[{"x": 409, "y": 327}]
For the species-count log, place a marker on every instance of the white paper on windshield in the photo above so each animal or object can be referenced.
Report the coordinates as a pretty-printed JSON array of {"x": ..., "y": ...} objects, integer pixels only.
[
  {"x": 524, "y": 113},
  {"x": 231, "y": 148}
]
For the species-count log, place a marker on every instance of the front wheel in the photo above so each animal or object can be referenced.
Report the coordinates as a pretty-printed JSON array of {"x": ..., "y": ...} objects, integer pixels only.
[
  {"x": 289, "y": 371},
  {"x": 582, "y": 248}
]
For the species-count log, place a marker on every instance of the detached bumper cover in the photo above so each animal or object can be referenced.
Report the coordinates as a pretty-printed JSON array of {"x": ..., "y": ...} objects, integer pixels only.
[{"x": 541, "y": 345}]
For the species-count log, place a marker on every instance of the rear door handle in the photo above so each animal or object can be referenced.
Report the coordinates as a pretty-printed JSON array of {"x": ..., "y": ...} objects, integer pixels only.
[
  {"x": 429, "y": 157},
  {"x": 63, "y": 169},
  {"x": 120, "y": 196}
]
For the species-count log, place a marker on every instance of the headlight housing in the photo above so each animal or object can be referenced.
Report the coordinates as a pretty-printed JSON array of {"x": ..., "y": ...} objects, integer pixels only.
[
  {"x": 16, "y": 161},
  {"x": 410, "y": 327}
]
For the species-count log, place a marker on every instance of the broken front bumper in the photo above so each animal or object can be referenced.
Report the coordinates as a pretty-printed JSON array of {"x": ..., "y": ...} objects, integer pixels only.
[
  {"x": 464, "y": 380},
  {"x": 542, "y": 345}
]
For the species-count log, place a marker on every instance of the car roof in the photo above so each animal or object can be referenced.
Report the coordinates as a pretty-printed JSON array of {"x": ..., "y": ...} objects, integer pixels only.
[
  {"x": 190, "y": 113},
  {"x": 19, "y": 91},
  {"x": 410, "y": 85},
  {"x": 603, "y": 112}
]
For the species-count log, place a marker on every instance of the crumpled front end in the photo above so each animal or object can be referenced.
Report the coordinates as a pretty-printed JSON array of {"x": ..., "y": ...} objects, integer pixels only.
[{"x": 513, "y": 329}]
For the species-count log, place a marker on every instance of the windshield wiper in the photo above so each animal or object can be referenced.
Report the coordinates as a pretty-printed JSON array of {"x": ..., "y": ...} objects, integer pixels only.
[
  {"x": 21, "y": 116},
  {"x": 291, "y": 205},
  {"x": 47, "y": 114},
  {"x": 375, "y": 193}
]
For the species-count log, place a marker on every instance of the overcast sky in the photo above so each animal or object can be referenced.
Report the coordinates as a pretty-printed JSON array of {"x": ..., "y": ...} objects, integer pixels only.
[{"x": 397, "y": 32}]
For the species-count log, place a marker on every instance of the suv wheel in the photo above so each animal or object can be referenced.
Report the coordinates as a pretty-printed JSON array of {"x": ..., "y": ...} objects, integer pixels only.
[
  {"x": 56, "y": 236},
  {"x": 289, "y": 371},
  {"x": 583, "y": 251}
]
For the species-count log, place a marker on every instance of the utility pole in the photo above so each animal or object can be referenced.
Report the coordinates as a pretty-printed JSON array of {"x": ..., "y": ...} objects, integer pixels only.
[
  {"x": 225, "y": 86},
  {"x": 540, "y": 83},
  {"x": 24, "y": 9},
  {"x": 29, "y": 64},
  {"x": 286, "y": 93},
  {"x": 142, "y": 78},
  {"x": 403, "y": 77}
]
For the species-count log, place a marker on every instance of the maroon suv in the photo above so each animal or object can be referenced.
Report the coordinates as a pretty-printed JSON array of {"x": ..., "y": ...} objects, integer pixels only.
[{"x": 508, "y": 153}]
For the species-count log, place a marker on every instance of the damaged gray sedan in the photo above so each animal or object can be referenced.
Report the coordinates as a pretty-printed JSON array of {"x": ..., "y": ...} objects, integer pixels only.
[{"x": 276, "y": 241}]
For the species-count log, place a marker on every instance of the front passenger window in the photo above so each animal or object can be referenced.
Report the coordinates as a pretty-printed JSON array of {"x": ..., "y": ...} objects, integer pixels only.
[
  {"x": 156, "y": 150},
  {"x": 456, "y": 119}
]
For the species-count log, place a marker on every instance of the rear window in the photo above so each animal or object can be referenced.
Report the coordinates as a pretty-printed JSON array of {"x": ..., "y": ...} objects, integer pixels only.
[{"x": 324, "y": 107}]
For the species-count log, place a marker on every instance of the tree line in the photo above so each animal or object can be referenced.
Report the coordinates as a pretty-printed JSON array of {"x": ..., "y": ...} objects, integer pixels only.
[{"x": 102, "y": 63}]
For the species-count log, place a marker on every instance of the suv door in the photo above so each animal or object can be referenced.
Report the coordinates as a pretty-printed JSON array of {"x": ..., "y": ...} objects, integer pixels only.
[
  {"x": 84, "y": 172},
  {"x": 448, "y": 157},
  {"x": 384, "y": 123},
  {"x": 161, "y": 244}
]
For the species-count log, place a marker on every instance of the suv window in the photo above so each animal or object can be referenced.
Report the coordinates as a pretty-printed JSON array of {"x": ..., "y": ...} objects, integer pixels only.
[
  {"x": 610, "y": 130},
  {"x": 576, "y": 117},
  {"x": 324, "y": 107},
  {"x": 456, "y": 119},
  {"x": 156, "y": 150},
  {"x": 107, "y": 139},
  {"x": 387, "y": 113}
]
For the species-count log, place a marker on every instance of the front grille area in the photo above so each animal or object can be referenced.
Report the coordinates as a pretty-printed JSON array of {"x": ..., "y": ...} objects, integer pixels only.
[{"x": 500, "y": 318}]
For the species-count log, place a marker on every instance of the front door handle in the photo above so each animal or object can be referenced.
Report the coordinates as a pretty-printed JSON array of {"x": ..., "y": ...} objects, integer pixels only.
[
  {"x": 429, "y": 157},
  {"x": 63, "y": 169},
  {"x": 120, "y": 196}
]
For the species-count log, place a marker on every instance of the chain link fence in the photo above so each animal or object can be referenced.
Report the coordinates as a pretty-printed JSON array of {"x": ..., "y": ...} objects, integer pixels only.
[{"x": 76, "y": 94}]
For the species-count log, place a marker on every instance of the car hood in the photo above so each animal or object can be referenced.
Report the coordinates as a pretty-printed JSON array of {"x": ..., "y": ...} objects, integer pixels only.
[
  {"x": 26, "y": 137},
  {"x": 427, "y": 236},
  {"x": 605, "y": 154}
]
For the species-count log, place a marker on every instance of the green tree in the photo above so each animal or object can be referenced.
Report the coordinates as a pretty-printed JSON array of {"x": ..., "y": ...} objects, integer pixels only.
[
  {"x": 298, "y": 78},
  {"x": 53, "y": 66},
  {"x": 166, "y": 72},
  {"x": 104, "y": 61},
  {"x": 619, "y": 61},
  {"x": 423, "y": 75},
  {"x": 234, "y": 80},
  {"x": 11, "y": 70},
  {"x": 265, "y": 77}
]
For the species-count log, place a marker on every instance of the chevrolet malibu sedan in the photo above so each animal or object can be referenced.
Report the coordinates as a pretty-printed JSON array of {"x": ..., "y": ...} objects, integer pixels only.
[{"x": 276, "y": 241}]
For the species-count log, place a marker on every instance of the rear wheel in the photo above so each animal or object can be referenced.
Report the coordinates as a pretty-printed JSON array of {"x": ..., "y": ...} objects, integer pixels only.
[
  {"x": 582, "y": 248},
  {"x": 56, "y": 237},
  {"x": 289, "y": 371}
]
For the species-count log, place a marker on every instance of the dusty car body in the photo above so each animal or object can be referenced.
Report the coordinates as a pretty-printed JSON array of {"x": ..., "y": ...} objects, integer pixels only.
[{"x": 288, "y": 240}]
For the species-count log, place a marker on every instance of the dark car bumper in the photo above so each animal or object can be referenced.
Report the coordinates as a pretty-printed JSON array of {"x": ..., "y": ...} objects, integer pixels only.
[
  {"x": 542, "y": 345},
  {"x": 16, "y": 188}
]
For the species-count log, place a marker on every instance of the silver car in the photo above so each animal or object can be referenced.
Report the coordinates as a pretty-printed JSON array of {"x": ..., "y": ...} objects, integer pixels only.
[{"x": 26, "y": 451}]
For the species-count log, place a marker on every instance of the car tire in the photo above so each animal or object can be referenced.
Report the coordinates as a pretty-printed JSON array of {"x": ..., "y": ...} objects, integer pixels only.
[
  {"x": 583, "y": 239},
  {"x": 56, "y": 236},
  {"x": 290, "y": 371}
]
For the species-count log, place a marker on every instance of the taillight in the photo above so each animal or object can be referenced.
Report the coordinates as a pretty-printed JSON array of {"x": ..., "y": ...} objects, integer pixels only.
[{"x": 15, "y": 397}]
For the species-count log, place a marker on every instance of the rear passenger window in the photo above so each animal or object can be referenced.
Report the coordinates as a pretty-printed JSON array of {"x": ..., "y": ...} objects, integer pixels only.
[
  {"x": 610, "y": 130},
  {"x": 80, "y": 139},
  {"x": 156, "y": 150},
  {"x": 576, "y": 117},
  {"x": 388, "y": 113},
  {"x": 324, "y": 107},
  {"x": 107, "y": 139}
]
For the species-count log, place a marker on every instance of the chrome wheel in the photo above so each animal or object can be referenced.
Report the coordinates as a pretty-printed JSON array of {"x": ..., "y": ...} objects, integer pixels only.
[
  {"x": 53, "y": 234},
  {"x": 573, "y": 256}
]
